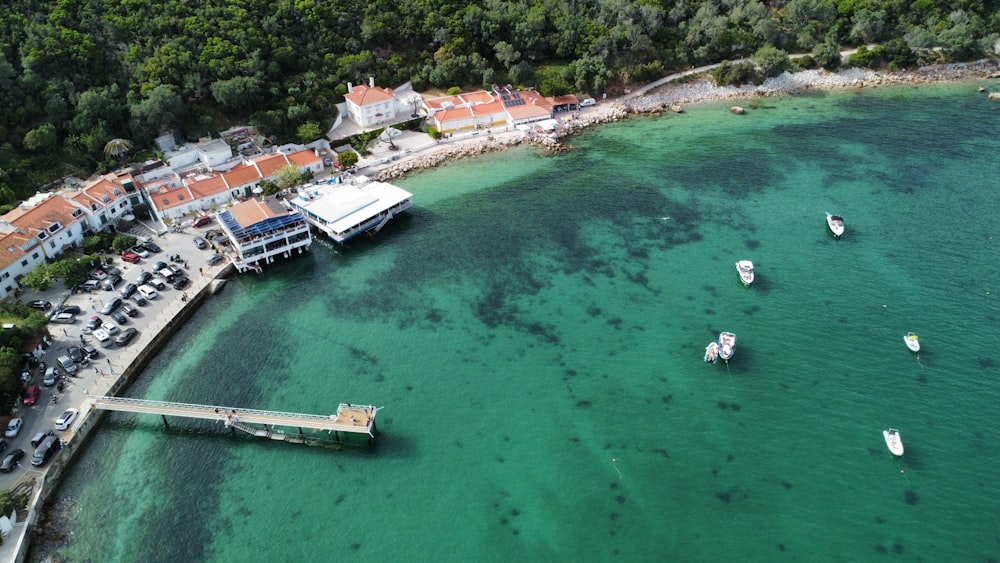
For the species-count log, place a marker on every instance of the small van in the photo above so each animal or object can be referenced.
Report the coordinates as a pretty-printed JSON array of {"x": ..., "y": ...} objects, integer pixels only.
[
  {"x": 40, "y": 437},
  {"x": 112, "y": 305},
  {"x": 67, "y": 363},
  {"x": 43, "y": 453},
  {"x": 50, "y": 376},
  {"x": 588, "y": 102},
  {"x": 102, "y": 336}
]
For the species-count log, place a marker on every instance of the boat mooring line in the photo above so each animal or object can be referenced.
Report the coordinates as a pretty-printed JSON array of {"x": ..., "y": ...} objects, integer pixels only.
[{"x": 614, "y": 462}]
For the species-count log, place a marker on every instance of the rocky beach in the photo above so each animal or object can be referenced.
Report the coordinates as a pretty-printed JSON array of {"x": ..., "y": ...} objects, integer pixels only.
[{"x": 672, "y": 96}]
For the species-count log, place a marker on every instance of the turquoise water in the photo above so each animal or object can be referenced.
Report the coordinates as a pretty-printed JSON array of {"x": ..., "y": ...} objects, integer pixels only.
[{"x": 535, "y": 328}]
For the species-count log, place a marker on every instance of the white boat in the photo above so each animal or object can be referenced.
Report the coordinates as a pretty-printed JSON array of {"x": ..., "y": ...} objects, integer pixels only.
[
  {"x": 712, "y": 353},
  {"x": 893, "y": 440},
  {"x": 745, "y": 268},
  {"x": 727, "y": 345},
  {"x": 912, "y": 342},
  {"x": 836, "y": 224}
]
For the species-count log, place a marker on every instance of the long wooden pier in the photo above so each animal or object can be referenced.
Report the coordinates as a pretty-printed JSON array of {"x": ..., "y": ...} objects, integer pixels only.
[{"x": 355, "y": 419}]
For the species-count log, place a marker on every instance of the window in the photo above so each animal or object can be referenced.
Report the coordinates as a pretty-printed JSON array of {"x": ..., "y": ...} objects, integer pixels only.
[
  {"x": 52, "y": 244},
  {"x": 54, "y": 227},
  {"x": 166, "y": 201},
  {"x": 24, "y": 262},
  {"x": 116, "y": 192},
  {"x": 180, "y": 197},
  {"x": 34, "y": 256},
  {"x": 77, "y": 212},
  {"x": 105, "y": 198},
  {"x": 43, "y": 235},
  {"x": 8, "y": 289},
  {"x": 6, "y": 275}
]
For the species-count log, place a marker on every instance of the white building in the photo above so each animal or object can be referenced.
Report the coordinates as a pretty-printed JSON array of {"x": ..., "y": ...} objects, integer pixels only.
[
  {"x": 369, "y": 106},
  {"x": 261, "y": 230},
  {"x": 343, "y": 211}
]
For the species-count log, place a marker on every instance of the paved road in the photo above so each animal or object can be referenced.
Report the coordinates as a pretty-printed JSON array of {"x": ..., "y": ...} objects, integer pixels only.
[{"x": 103, "y": 370}]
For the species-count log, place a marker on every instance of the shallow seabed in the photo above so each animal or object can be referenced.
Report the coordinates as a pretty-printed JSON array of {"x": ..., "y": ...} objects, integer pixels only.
[{"x": 535, "y": 328}]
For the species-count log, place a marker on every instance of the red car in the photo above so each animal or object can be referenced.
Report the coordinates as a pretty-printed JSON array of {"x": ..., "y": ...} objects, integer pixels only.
[
  {"x": 31, "y": 395},
  {"x": 131, "y": 257},
  {"x": 202, "y": 221}
]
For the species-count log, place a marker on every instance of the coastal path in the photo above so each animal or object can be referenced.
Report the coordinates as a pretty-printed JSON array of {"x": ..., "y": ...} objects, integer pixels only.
[{"x": 356, "y": 419}]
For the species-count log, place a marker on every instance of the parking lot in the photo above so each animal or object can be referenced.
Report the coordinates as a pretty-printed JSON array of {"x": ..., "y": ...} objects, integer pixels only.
[{"x": 96, "y": 375}]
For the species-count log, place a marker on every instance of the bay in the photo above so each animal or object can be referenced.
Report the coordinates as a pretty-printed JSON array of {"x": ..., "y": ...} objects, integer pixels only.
[{"x": 534, "y": 328}]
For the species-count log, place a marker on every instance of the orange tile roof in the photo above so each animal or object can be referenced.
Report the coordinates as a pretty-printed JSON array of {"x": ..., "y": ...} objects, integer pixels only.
[
  {"x": 304, "y": 158},
  {"x": 438, "y": 103},
  {"x": 488, "y": 109},
  {"x": 478, "y": 97},
  {"x": 165, "y": 199},
  {"x": 271, "y": 163},
  {"x": 254, "y": 211},
  {"x": 242, "y": 175},
  {"x": 457, "y": 114},
  {"x": 29, "y": 221},
  {"x": 207, "y": 187},
  {"x": 10, "y": 247},
  {"x": 363, "y": 95}
]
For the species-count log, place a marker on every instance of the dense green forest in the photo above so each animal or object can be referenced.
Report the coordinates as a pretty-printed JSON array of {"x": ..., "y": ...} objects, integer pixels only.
[{"x": 77, "y": 73}]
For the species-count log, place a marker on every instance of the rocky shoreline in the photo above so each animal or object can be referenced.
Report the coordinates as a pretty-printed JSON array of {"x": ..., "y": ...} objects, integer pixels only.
[{"x": 672, "y": 97}]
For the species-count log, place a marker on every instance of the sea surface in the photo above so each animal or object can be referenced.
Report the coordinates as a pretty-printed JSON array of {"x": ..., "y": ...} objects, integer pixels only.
[{"x": 534, "y": 330}]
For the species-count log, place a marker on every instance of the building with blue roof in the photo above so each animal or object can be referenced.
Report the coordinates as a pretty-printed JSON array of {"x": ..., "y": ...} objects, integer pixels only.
[{"x": 261, "y": 230}]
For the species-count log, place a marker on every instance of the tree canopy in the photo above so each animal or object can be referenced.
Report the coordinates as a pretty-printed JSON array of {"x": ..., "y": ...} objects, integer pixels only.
[{"x": 77, "y": 74}]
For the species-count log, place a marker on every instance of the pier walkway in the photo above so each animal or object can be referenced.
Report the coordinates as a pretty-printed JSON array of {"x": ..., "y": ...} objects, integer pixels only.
[{"x": 357, "y": 419}]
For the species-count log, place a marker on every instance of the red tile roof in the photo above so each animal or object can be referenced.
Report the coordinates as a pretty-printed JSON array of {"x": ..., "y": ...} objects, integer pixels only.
[
  {"x": 242, "y": 175},
  {"x": 269, "y": 164},
  {"x": 363, "y": 95},
  {"x": 304, "y": 158}
]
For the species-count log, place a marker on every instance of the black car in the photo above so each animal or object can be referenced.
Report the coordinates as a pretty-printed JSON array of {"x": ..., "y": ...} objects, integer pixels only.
[
  {"x": 113, "y": 270},
  {"x": 128, "y": 290},
  {"x": 90, "y": 351},
  {"x": 75, "y": 354},
  {"x": 180, "y": 283},
  {"x": 212, "y": 234},
  {"x": 11, "y": 461},
  {"x": 159, "y": 266},
  {"x": 151, "y": 246},
  {"x": 71, "y": 309},
  {"x": 176, "y": 270},
  {"x": 111, "y": 282},
  {"x": 126, "y": 336},
  {"x": 144, "y": 277},
  {"x": 129, "y": 310},
  {"x": 119, "y": 317},
  {"x": 40, "y": 304}
]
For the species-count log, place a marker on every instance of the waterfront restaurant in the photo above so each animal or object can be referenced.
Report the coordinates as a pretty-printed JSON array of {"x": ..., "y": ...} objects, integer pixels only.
[
  {"x": 261, "y": 229},
  {"x": 343, "y": 211}
]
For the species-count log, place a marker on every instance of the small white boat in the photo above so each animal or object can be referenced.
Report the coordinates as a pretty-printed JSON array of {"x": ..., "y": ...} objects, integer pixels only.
[
  {"x": 912, "y": 342},
  {"x": 712, "y": 353},
  {"x": 836, "y": 224},
  {"x": 727, "y": 345},
  {"x": 893, "y": 440},
  {"x": 745, "y": 268}
]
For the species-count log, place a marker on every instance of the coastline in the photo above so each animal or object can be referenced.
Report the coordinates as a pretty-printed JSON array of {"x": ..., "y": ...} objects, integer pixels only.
[{"x": 659, "y": 99}]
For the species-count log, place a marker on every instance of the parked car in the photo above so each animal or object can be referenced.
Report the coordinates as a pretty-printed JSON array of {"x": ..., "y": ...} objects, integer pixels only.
[
  {"x": 327, "y": 161},
  {"x": 112, "y": 270},
  {"x": 111, "y": 282},
  {"x": 31, "y": 395},
  {"x": 51, "y": 374},
  {"x": 147, "y": 292},
  {"x": 103, "y": 337},
  {"x": 67, "y": 364},
  {"x": 76, "y": 354},
  {"x": 157, "y": 282},
  {"x": 66, "y": 419},
  {"x": 140, "y": 251},
  {"x": 119, "y": 317},
  {"x": 94, "y": 322},
  {"x": 11, "y": 461},
  {"x": 167, "y": 275},
  {"x": 98, "y": 274},
  {"x": 200, "y": 243},
  {"x": 109, "y": 328},
  {"x": 214, "y": 259},
  {"x": 212, "y": 234},
  {"x": 588, "y": 102},
  {"x": 71, "y": 309},
  {"x": 144, "y": 277},
  {"x": 131, "y": 257},
  {"x": 14, "y": 427},
  {"x": 90, "y": 351},
  {"x": 90, "y": 285},
  {"x": 128, "y": 290},
  {"x": 159, "y": 266},
  {"x": 151, "y": 246},
  {"x": 129, "y": 309},
  {"x": 40, "y": 304},
  {"x": 202, "y": 221},
  {"x": 65, "y": 318},
  {"x": 126, "y": 336},
  {"x": 138, "y": 299},
  {"x": 177, "y": 271},
  {"x": 180, "y": 283},
  {"x": 112, "y": 305},
  {"x": 45, "y": 450},
  {"x": 41, "y": 436}
]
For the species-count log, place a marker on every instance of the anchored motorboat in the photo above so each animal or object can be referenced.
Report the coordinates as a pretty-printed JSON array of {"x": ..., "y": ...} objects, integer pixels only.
[
  {"x": 712, "y": 353},
  {"x": 912, "y": 342},
  {"x": 745, "y": 268},
  {"x": 727, "y": 345},
  {"x": 893, "y": 441},
  {"x": 836, "y": 224}
]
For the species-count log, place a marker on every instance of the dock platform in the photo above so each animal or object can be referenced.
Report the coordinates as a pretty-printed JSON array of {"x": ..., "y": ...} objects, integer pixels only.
[{"x": 355, "y": 419}]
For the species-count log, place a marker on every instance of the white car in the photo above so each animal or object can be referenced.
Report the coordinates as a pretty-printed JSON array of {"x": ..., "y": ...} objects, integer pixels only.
[
  {"x": 66, "y": 419},
  {"x": 141, "y": 251},
  {"x": 110, "y": 328},
  {"x": 147, "y": 292},
  {"x": 14, "y": 427}
]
